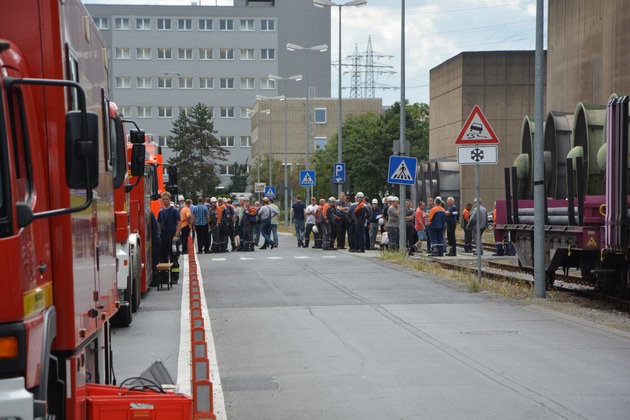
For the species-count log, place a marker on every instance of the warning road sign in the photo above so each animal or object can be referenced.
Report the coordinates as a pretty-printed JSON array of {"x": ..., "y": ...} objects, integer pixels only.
[
  {"x": 477, "y": 130},
  {"x": 402, "y": 170}
]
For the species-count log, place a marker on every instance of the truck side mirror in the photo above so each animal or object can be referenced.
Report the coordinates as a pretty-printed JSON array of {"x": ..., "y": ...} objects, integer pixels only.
[
  {"x": 136, "y": 136},
  {"x": 137, "y": 159},
  {"x": 81, "y": 153}
]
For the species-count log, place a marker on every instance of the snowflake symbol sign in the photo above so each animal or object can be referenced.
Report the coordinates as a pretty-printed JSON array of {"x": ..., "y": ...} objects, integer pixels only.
[{"x": 476, "y": 155}]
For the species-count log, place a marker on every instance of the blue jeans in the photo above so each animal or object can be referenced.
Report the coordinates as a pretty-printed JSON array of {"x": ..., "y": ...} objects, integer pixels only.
[
  {"x": 274, "y": 233},
  {"x": 299, "y": 230},
  {"x": 265, "y": 229}
]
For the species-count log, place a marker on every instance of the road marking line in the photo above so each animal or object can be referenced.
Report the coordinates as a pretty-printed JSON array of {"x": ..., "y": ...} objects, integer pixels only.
[
  {"x": 274, "y": 258},
  {"x": 246, "y": 258},
  {"x": 329, "y": 256},
  {"x": 301, "y": 258},
  {"x": 219, "y": 259}
]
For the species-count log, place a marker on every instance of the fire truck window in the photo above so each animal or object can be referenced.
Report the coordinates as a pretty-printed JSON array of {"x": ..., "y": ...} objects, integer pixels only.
[
  {"x": 4, "y": 179},
  {"x": 73, "y": 74},
  {"x": 21, "y": 152}
]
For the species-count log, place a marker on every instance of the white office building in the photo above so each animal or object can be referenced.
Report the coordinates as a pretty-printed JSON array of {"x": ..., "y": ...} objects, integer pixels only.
[{"x": 165, "y": 59}]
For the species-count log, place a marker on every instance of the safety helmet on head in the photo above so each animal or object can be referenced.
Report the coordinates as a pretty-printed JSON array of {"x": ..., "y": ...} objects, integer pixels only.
[
  {"x": 374, "y": 201},
  {"x": 180, "y": 198},
  {"x": 213, "y": 200},
  {"x": 359, "y": 195},
  {"x": 332, "y": 200}
]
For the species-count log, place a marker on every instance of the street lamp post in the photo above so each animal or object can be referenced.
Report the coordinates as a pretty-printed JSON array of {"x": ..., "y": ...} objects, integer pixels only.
[
  {"x": 320, "y": 48},
  {"x": 296, "y": 78},
  {"x": 327, "y": 3},
  {"x": 251, "y": 113},
  {"x": 270, "y": 99}
]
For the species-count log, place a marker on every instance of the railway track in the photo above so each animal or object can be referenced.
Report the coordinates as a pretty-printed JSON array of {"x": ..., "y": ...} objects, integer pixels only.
[{"x": 504, "y": 271}]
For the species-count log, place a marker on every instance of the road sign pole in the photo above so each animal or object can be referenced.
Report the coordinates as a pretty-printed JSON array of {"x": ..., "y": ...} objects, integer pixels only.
[{"x": 479, "y": 246}]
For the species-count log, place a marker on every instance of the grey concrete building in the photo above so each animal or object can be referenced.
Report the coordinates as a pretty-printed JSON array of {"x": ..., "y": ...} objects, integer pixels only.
[
  {"x": 165, "y": 59},
  {"x": 502, "y": 84}
]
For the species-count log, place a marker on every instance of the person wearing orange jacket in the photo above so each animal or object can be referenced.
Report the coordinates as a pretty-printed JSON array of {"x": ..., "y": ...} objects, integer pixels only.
[
  {"x": 328, "y": 217},
  {"x": 437, "y": 223},
  {"x": 498, "y": 243},
  {"x": 467, "y": 232}
]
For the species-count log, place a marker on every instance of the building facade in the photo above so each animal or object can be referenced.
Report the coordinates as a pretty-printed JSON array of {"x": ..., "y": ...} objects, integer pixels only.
[
  {"x": 502, "y": 84},
  {"x": 165, "y": 59},
  {"x": 324, "y": 123}
]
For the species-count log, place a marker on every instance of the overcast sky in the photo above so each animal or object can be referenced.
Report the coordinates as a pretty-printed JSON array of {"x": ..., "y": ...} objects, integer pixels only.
[{"x": 436, "y": 30}]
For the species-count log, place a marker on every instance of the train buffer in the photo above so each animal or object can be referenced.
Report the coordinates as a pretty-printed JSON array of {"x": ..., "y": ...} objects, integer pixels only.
[{"x": 164, "y": 275}]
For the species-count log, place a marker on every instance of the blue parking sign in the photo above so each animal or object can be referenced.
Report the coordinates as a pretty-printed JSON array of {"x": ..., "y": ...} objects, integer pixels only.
[{"x": 339, "y": 173}]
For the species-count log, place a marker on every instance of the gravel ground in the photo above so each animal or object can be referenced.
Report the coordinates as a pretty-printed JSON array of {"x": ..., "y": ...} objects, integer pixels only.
[{"x": 592, "y": 311}]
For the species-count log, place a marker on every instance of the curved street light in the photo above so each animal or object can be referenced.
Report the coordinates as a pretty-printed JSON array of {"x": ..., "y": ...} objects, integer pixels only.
[
  {"x": 327, "y": 3},
  {"x": 295, "y": 78},
  {"x": 319, "y": 48}
]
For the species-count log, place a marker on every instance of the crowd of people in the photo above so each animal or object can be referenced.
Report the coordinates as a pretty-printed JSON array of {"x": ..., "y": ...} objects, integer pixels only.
[{"x": 333, "y": 224}]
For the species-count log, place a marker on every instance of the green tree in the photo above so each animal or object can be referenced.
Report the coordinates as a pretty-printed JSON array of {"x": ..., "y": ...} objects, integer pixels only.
[
  {"x": 239, "y": 179},
  {"x": 367, "y": 145},
  {"x": 197, "y": 150}
]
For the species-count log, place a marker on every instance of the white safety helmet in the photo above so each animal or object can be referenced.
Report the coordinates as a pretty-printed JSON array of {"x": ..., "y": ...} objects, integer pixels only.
[
  {"x": 315, "y": 230},
  {"x": 359, "y": 195},
  {"x": 374, "y": 201},
  {"x": 213, "y": 200},
  {"x": 381, "y": 221}
]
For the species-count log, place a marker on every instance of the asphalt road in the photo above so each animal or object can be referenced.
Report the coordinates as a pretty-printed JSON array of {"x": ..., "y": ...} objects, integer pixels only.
[{"x": 308, "y": 334}]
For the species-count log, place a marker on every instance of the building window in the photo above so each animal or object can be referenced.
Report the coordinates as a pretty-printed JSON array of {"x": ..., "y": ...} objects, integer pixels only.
[
  {"x": 226, "y": 54},
  {"x": 185, "y": 82},
  {"x": 143, "y": 82},
  {"x": 246, "y": 141},
  {"x": 143, "y": 53},
  {"x": 184, "y": 24},
  {"x": 144, "y": 112},
  {"x": 320, "y": 115},
  {"x": 165, "y": 83},
  {"x": 246, "y": 112},
  {"x": 143, "y": 24},
  {"x": 205, "y": 54},
  {"x": 227, "y": 112},
  {"x": 227, "y": 169},
  {"x": 102, "y": 23},
  {"x": 227, "y": 83},
  {"x": 247, "y": 54},
  {"x": 205, "y": 24},
  {"x": 164, "y": 54},
  {"x": 247, "y": 25},
  {"x": 164, "y": 24},
  {"x": 268, "y": 54},
  {"x": 121, "y": 24},
  {"x": 320, "y": 142},
  {"x": 247, "y": 83},
  {"x": 165, "y": 112},
  {"x": 267, "y": 25},
  {"x": 122, "y": 54},
  {"x": 226, "y": 25},
  {"x": 206, "y": 83},
  {"x": 185, "y": 110},
  {"x": 267, "y": 83},
  {"x": 123, "y": 82},
  {"x": 125, "y": 111},
  {"x": 227, "y": 141},
  {"x": 163, "y": 141},
  {"x": 185, "y": 53}
]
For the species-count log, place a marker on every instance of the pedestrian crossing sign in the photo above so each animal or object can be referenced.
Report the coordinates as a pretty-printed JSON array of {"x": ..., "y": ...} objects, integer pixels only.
[
  {"x": 307, "y": 178},
  {"x": 270, "y": 191},
  {"x": 402, "y": 170}
]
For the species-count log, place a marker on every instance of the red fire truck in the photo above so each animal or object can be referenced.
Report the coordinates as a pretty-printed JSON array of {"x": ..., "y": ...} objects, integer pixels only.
[{"x": 59, "y": 168}]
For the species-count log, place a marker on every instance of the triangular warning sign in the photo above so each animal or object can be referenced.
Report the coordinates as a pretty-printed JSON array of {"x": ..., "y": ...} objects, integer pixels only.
[
  {"x": 402, "y": 172},
  {"x": 477, "y": 130},
  {"x": 307, "y": 180}
]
